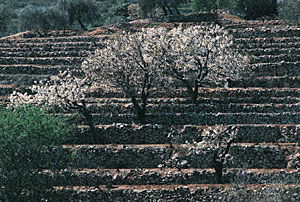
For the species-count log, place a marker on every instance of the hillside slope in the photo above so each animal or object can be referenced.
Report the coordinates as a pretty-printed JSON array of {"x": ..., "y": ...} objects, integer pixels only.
[{"x": 122, "y": 163}]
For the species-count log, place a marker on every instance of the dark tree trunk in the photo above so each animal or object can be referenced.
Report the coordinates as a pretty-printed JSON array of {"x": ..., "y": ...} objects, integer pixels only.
[
  {"x": 140, "y": 111},
  {"x": 218, "y": 166},
  {"x": 81, "y": 24},
  {"x": 89, "y": 120}
]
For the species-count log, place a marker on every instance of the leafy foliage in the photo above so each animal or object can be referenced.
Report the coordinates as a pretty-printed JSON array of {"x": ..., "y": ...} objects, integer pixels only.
[
  {"x": 30, "y": 141},
  {"x": 253, "y": 9},
  {"x": 5, "y": 17},
  {"x": 42, "y": 18},
  {"x": 212, "y": 5},
  {"x": 67, "y": 91},
  {"x": 289, "y": 10},
  {"x": 82, "y": 12},
  {"x": 168, "y": 6}
]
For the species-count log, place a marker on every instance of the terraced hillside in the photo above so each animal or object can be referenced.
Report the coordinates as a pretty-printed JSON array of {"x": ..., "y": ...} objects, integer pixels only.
[{"x": 123, "y": 162}]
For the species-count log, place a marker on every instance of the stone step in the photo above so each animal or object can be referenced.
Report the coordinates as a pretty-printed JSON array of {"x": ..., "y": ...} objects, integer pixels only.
[
  {"x": 51, "y": 44},
  {"x": 210, "y": 93},
  {"x": 267, "y": 40},
  {"x": 154, "y": 176},
  {"x": 163, "y": 134},
  {"x": 248, "y": 46},
  {"x": 200, "y": 108},
  {"x": 44, "y": 53},
  {"x": 203, "y": 94},
  {"x": 267, "y": 82},
  {"x": 215, "y": 94},
  {"x": 153, "y": 156},
  {"x": 32, "y": 69},
  {"x": 41, "y": 60},
  {"x": 48, "y": 48},
  {"x": 22, "y": 79},
  {"x": 282, "y": 31},
  {"x": 273, "y": 51},
  {"x": 254, "y": 23},
  {"x": 276, "y": 69},
  {"x": 200, "y": 118},
  {"x": 275, "y": 58},
  {"x": 202, "y": 100},
  {"x": 191, "y": 192},
  {"x": 53, "y": 39}
]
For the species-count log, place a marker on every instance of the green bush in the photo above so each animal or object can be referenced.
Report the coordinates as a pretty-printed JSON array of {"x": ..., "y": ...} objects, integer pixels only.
[
  {"x": 82, "y": 12},
  {"x": 253, "y": 9},
  {"x": 42, "y": 18},
  {"x": 212, "y": 5},
  {"x": 31, "y": 141},
  {"x": 168, "y": 7},
  {"x": 5, "y": 18},
  {"x": 289, "y": 10}
]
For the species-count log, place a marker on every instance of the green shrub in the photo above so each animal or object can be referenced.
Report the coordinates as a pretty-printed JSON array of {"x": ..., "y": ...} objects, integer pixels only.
[
  {"x": 212, "y": 5},
  {"x": 82, "y": 12},
  {"x": 167, "y": 6},
  {"x": 42, "y": 18},
  {"x": 289, "y": 10},
  {"x": 30, "y": 141},
  {"x": 252, "y": 9},
  {"x": 5, "y": 18}
]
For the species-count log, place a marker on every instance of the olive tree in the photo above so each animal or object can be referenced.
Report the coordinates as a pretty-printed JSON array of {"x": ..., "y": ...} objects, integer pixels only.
[
  {"x": 82, "y": 12},
  {"x": 131, "y": 63},
  {"x": 167, "y": 6},
  {"x": 201, "y": 55},
  {"x": 42, "y": 18}
]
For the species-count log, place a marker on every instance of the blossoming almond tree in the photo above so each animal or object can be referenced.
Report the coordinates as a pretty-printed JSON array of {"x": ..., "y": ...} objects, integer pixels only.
[
  {"x": 214, "y": 147},
  {"x": 201, "y": 55},
  {"x": 130, "y": 62},
  {"x": 67, "y": 91}
]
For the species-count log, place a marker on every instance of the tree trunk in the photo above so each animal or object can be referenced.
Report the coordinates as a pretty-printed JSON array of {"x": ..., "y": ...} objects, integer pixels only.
[
  {"x": 140, "y": 111},
  {"x": 89, "y": 120},
  {"x": 81, "y": 24},
  {"x": 142, "y": 116},
  {"x": 218, "y": 166}
]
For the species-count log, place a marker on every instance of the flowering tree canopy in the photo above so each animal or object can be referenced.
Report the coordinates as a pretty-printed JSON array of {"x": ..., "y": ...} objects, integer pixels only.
[
  {"x": 132, "y": 63},
  {"x": 150, "y": 60},
  {"x": 201, "y": 54},
  {"x": 67, "y": 91},
  {"x": 214, "y": 146}
]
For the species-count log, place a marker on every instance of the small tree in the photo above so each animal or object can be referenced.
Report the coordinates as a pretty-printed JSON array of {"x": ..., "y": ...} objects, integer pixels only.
[
  {"x": 30, "y": 142},
  {"x": 67, "y": 91},
  {"x": 253, "y": 9},
  {"x": 5, "y": 18},
  {"x": 131, "y": 63},
  {"x": 168, "y": 6},
  {"x": 41, "y": 18},
  {"x": 212, "y": 5},
  {"x": 82, "y": 11},
  {"x": 289, "y": 10},
  {"x": 214, "y": 145},
  {"x": 201, "y": 55}
]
